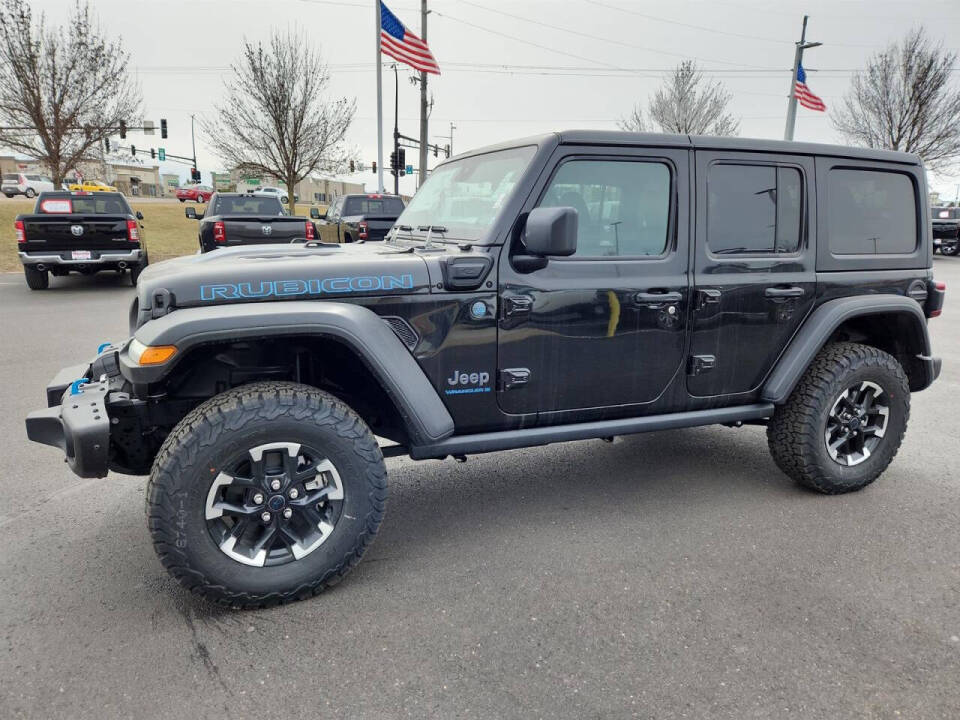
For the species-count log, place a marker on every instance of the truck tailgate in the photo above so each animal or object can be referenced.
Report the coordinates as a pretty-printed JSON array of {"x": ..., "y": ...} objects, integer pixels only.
[
  {"x": 264, "y": 229},
  {"x": 57, "y": 233}
]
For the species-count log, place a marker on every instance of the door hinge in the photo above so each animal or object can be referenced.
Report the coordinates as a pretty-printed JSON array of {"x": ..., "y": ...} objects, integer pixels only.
[
  {"x": 514, "y": 305},
  {"x": 510, "y": 378},
  {"x": 700, "y": 364}
]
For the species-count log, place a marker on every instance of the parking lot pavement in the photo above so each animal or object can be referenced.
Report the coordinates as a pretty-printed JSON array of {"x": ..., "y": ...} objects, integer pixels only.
[{"x": 668, "y": 575}]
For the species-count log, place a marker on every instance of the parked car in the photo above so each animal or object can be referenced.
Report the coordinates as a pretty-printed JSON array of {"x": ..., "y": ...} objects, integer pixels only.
[
  {"x": 573, "y": 286},
  {"x": 276, "y": 192},
  {"x": 946, "y": 229},
  {"x": 240, "y": 219},
  {"x": 28, "y": 184},
  {"x": 196, "y": 193},
  {"x": 358, "y": 218},
  {"x": 80, "y": 232},
  {"x": 92, "y": 186}
]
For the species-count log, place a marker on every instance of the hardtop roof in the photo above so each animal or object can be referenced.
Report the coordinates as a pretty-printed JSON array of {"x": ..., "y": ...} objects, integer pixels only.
[{"x": 702, "y": 142}]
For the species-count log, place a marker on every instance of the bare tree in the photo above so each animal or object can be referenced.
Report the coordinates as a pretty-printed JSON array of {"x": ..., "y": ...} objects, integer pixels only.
[
  {"x": 903, "y": 101},
  {"x": 63, "y": 90},
  {"x": 686, "y": 104},
  {"x": 275, "y": 119}
]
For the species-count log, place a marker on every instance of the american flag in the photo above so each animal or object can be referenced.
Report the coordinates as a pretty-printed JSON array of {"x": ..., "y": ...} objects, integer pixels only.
[
  {"x": 802, "y": 93},
  {"x": 401, "y": 44}
]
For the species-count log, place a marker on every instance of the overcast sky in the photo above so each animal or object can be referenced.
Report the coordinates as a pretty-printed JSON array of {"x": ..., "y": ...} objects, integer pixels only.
[{"x": 520, "y": 67}]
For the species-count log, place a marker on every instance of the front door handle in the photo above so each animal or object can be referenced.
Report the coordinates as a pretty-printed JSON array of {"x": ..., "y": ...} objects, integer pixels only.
[
  {"x": 784, "y": 292},
  {"x": 657, "y": 298}
]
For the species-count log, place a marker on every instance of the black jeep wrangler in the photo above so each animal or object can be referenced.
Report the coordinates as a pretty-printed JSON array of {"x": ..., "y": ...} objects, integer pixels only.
[{"x": 565, "y": 287}]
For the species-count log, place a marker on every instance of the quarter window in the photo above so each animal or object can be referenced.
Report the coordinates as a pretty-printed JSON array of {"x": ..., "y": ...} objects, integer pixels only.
[
  {"x": 753, "y": 209},
  {"x": 871, "y": 212},
  {"x": 623, "y": 207}
]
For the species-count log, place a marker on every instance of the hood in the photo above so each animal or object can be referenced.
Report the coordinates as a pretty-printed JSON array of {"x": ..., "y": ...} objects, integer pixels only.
[{"x": 271, "y": 273}]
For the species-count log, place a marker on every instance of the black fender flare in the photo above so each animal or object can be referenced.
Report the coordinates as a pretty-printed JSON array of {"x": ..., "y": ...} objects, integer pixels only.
[
  {"x": 821, "y": 324},
  {"x": 426, "y": 417}
]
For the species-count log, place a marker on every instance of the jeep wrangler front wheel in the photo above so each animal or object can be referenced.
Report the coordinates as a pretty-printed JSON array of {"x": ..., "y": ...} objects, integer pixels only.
[
  {"x": 265, "y": 494},
  {"x": 844, "y": 422}
]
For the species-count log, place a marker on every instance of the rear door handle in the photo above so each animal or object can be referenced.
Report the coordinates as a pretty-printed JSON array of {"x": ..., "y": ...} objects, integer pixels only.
[
  {"x": 657, "y": 298},
  {"x": 784, "y": 292}
]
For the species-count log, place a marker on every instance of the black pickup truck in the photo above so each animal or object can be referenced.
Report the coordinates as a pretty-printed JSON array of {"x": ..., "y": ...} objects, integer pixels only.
[
  {"x": 79, "y": 232},
  {"x": 235, "y": 219},
  {"x": 358, "y": 218},
  {"x": 946, "y": 230}
]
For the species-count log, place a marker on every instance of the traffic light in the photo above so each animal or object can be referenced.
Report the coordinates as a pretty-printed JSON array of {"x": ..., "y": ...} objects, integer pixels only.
[
  {"x": 163, "y": 128},
  {"x": 353, "y": 166},
  {"x": 446, "y": 149},
  {"x": 195, "y": 175},
  {"x": 106, "y": 144},
  {"x": 373, "y": 166},
  {"x": 401, "y": 159},
  {"x": 436, "y": 149},
  {"x": 153, "y": 153},
  {"x": 133, "y": 150},
  {"x": 123, "y": 130},
  {"x": 393, "y": 161}
]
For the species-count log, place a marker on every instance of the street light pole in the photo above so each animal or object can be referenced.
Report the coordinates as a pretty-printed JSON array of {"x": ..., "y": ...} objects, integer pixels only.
[
  {"x": 396, "y": 129},
  {"x": 797, "y": 62},
  {"x": 423, "y": 100},
  {"x": 193, "y": 142}
]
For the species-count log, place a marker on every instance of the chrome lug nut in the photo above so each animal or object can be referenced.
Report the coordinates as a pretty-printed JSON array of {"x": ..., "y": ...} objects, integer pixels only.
[
  {"x": 265, "y": 516},
  {"x": 275, "y": 484},
  {"x": 258, "y": 499},
  {"x": 294, "y": 493},
  {"x": 287, "y": 513}
]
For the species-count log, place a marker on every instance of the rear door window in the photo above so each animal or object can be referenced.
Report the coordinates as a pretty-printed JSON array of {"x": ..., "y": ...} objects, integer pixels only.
[
  {"x": 753, "y": 209},
  {"x": 871, "y": 212}
]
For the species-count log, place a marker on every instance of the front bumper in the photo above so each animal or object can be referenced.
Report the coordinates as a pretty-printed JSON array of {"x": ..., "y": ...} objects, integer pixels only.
[
  {"x": 97, "y": 257},
  {"x": 79, "y": 426},
  {"x": 76, "y": 419}
]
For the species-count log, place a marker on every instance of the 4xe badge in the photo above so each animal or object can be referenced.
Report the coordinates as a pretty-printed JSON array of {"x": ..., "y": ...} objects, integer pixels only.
[{"x": 468, "y": 383}]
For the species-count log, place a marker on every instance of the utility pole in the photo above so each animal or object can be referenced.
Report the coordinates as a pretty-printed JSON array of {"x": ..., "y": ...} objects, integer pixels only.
[
  {"x": 423, "y": 100},
  {"x": 797, "y": 62},
  {"x": 193, "y": 142},
  {"x": 450, "y": 138}
]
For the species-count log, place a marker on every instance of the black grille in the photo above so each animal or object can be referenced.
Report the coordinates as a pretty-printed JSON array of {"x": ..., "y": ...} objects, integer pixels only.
[{"x": 408, "y": 336}]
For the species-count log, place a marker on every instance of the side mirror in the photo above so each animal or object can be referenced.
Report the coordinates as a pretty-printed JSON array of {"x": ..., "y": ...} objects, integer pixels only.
[
  {"x": 551, "y": 231},
  {"x": 191, "y": 213},
  {"x": 315, "y": 213},
  {"x": 139, "y": 215}
]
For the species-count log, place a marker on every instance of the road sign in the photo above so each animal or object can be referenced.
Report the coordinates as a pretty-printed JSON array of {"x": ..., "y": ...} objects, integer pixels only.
[
  {"x": 148, "y": 127},
  {"x": 163, "y": 154},
  {"x": 409, "y": 169}
]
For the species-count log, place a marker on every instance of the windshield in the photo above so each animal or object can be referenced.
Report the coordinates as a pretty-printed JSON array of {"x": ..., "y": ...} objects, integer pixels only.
[
  {"x": 464, "y": 196},
  {"x": 249, "y": 205},
  {"x": 942, "y": 213}
]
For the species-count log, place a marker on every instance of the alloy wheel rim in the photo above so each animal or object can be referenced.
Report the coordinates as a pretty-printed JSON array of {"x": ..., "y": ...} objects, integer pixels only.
[
  {"x": 857, "y": 423},
  {"x": 274, "y": 504}
]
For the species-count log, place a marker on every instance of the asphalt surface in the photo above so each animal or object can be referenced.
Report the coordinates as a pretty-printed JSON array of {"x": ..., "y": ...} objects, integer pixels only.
[{"x": 670, "y": 575}]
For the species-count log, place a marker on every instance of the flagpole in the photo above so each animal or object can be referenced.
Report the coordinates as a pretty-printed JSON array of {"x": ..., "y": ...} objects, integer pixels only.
[
  {"x": 379, "y": 105},
  {"x": 797, "y": 62}
]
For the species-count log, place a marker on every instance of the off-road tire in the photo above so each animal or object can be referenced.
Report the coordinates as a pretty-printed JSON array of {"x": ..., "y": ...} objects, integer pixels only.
[
  {"x": 795, "y": 434},
  {"x": 36, "y": 279},
  {"x": 949, "y": 250},
  {"x": 244, "y": 417}
]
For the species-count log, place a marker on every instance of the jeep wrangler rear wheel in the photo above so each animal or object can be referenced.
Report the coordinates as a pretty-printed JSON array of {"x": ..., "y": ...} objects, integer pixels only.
[
  {"x": 844, "y": 422},
  {"x": 265, "y": 494},
  {"x": 36, "y": 279}
]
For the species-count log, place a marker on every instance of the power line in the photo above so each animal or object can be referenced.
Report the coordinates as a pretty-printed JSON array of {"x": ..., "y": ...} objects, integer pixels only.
[
  {"x": 589, "y": 36},
  {"x": 688, "y": 25}
]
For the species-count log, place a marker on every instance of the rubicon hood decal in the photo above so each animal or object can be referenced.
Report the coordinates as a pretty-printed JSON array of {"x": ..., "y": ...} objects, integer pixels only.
[{"x": 314, "y": 286}]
